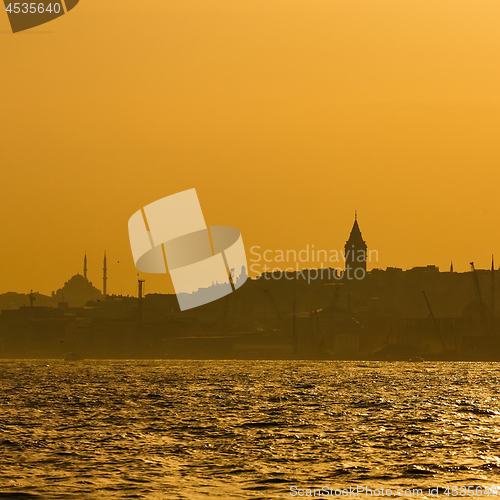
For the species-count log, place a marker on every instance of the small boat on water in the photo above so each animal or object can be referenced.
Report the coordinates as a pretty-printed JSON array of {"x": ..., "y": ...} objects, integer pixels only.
[{"x": 72, "y": 356}]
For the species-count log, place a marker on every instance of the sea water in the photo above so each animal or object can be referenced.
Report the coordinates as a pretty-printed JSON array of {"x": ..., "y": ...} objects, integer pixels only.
[{"x": 172, "y": 429}]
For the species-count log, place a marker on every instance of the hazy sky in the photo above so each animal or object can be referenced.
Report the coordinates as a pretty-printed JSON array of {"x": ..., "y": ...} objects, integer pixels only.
[{"x": 285, "y": 115}]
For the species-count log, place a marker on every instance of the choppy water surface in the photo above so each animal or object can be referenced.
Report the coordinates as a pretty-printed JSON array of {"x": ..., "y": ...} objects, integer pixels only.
[{"x": 243, "y": 429}]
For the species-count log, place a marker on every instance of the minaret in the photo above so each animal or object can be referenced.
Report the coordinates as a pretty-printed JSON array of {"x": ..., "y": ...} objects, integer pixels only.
[
  {"x": 104, "y": 276},
  {"x": 85, "y": 266},
  {"x": 451, "y": 267},
  {"x": 355, "y": 253}
]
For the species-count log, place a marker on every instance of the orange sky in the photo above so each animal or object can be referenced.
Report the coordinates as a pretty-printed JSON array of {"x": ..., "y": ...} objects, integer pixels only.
[{"x": 285, "y": 115}]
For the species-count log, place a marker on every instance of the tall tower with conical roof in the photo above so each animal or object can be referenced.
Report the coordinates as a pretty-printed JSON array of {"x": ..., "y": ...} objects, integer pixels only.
[
  {"x": 355, "y": 253},
  {"x": 104, "y": 275},
  {"x": 85, "y": 266}
]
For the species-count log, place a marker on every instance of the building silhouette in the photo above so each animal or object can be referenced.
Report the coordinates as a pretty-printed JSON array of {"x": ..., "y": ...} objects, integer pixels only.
[
  {"x": 76, "y": 292},
  {"x": 390, "y": 314},
  {"x": 355, "y": 252}
]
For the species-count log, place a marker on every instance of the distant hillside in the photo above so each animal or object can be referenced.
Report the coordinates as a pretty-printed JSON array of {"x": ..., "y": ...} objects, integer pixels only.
[{"x": 13, "y": 300}]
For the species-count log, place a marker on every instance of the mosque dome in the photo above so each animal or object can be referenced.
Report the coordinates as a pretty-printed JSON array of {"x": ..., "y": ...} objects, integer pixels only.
[{"x": 77, "y": 291}]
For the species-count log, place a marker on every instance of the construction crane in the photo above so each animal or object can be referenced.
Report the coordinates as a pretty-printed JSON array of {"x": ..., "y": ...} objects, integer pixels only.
[
  {"x": 479, "y": 297},
  {"x": 436, "y": 326},
  {"x": 275, "y": 308}
]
